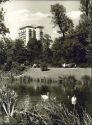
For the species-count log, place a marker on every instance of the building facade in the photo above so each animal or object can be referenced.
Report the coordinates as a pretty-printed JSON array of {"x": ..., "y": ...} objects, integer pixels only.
[{"x": 28, "y": 32}]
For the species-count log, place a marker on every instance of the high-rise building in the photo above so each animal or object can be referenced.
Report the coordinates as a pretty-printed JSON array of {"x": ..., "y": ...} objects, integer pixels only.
[
  {"x": 28, "y": 32},
  {"x": 39, "y": 32}
]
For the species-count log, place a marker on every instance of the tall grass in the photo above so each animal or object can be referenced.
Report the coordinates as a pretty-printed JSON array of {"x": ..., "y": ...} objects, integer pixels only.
[
  {"x": 50, "y": 113},
  {"x": 27, "y": 80}
]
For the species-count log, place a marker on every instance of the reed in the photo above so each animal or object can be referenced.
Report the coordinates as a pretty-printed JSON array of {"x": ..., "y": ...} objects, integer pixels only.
[
  {"x": 28, "y": 80},
  {"x": 51, "y": 113}
]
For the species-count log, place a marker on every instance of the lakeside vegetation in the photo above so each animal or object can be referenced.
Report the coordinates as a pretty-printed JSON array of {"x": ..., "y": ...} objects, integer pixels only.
[
  {"x": 49, "y": 113},
  {"x": 67, "y": 85}
]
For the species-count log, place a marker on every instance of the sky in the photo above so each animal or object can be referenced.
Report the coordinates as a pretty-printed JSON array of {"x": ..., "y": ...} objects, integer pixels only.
[{"x": 27, "y": 12}]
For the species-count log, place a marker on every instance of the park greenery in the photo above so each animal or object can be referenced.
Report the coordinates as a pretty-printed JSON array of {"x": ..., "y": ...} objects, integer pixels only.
[{"x": 74, "y": 45}]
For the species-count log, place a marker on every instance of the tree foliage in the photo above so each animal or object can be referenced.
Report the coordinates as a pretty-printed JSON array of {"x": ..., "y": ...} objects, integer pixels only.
[
  {"x": 47, "y": 53},
  {"x": 3, "y": 28},
  {"x": 85, "y": 6},
  {"x": 19, "y": 52},
  {"x": 77, "y": 46},
  {"x": 35, "y": 49},
  {"x": 82, "y": 29},
  {"x": 60, "y": 19},
  {"x": 69, "y": 51},
  {"x": 47, "y": 41},
  {"x": 72, "y": 47},
  {"x": 85, "y": 26}
]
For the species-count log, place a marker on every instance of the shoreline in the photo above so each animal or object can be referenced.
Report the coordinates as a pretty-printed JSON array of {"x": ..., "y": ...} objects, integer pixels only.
[{"x": 55, "y": 73}]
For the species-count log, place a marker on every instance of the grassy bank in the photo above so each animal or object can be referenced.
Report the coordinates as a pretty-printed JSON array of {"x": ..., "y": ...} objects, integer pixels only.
[{"x": 55, "y": 73}]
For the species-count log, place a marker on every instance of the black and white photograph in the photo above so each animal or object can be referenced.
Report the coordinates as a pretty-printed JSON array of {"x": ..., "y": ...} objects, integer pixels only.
[{"x": 45, "y": 62}]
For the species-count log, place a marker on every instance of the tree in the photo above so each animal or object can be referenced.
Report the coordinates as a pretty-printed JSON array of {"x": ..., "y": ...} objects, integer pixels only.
[
  {"x": 69, "y": 51},
  {"x": 85, "y": 6},
  {"x": 60, "y": 19},
  {"x": 34, "y": 47},
  {"x": 89, "y": 48},
  {"x": 85, "y": 21},
  {"x": 3, "y": 29},
  {"x": 9, "y": 46},
  {"x": 3, "y": 55},
  {"x": 83, "y": 30},
  {"x": 47, "y": 41},
  {"x": 78, "y": 54},
  {"x": 57, "y": 52},
  {"x": 47, "y": 53},
  {"x": 20, "y": 53}
]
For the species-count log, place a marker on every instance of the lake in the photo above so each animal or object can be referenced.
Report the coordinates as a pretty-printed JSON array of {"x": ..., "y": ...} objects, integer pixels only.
[{"x": 29, "y": 95}]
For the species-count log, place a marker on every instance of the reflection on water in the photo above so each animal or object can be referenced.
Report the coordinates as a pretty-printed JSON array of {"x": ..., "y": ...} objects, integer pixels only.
[{"x": 31, "y": 95}]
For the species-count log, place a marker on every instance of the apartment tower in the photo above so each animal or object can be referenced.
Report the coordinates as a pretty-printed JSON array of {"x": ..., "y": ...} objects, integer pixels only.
[{"x": 28, "y": 32}]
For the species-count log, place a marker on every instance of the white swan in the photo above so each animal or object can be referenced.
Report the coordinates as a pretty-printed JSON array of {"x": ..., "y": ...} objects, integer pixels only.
[
  {"x": 74, "y": 100},
  {"x": 45, "y": 97}
]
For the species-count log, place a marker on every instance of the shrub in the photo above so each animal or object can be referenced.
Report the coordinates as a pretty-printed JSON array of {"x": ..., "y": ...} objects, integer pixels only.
[
  {"x": 17, "y": 67},
  {"x": 86, "y": 80},
  {"x": 44, "y": 67},
  {"x": 26, "y": 63},
  {"x": 7, "y": 66}
]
